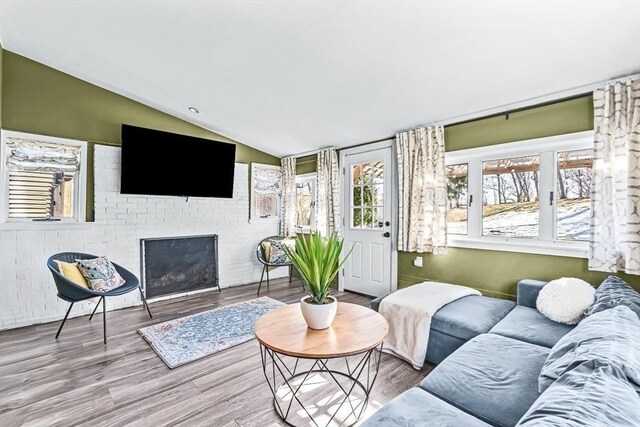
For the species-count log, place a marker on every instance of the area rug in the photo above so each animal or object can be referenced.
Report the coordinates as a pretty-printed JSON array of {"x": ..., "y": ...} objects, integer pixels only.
[{"x": 193, "y": 337}]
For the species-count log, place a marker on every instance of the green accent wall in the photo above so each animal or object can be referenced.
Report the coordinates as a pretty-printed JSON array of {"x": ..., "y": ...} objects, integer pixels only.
[
  {"x": 495, "y": 273},
  {"x": 306, "y": 164},
  {"x": 39, "y": 99}
]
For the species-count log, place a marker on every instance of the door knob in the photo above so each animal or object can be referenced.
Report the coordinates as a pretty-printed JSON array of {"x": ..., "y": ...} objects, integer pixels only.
[
  {"x": 387, "y": 223},
  {"x": 387, "y": 234}
]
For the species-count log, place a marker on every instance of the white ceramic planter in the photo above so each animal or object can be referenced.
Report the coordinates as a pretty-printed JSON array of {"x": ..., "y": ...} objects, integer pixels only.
[{"x": 319, "y": 316}]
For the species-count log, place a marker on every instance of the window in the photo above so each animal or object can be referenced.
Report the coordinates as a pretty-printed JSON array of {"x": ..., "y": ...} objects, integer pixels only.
[
  {"x": 305, "y": 201},
  {"x": 43, "y": 178},
  {"x": 526, "y": 196},
  {"x": 574, "y": 185},
  {"x": 457, "y": 196},
  {"x": 510, "y": 197}
]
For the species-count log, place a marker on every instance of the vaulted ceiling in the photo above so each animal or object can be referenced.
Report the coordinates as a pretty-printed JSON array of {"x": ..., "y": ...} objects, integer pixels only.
[{"x": 286, "y": 77}]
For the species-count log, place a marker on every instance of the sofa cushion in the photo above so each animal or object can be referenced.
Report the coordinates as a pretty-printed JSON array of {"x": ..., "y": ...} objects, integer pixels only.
[
  {"x": 441, "y": 345},
  {"x": 529, "y": 325},
  {"x": 589, "y": 395},
  {"x": 470, "y": 316},
  {"x": 416, "y": 407},
  {"x": 608, "y": 337},
  {"x": 612, "y": 292},
  {"x": 492, "y": 377},
  {"x": 528, "y": 290}
]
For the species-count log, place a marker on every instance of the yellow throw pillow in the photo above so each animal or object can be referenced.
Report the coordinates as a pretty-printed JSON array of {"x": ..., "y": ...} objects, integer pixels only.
[
  {"x": 266, "y": 247},
  {"x": 72, "y": 272}
]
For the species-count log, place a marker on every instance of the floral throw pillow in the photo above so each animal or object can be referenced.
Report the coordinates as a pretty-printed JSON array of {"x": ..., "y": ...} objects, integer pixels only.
[
  {"x": 100, "y": 273},
  {"x": 277, "y": 255}
]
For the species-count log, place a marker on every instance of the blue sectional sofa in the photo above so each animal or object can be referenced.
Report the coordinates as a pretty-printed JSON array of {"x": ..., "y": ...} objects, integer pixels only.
[{"x": 490, "y": 354}]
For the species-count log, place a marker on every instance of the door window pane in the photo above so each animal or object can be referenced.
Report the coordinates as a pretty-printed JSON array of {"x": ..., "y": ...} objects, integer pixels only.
[
  {"x": 357, "y": 217},
  {"x": 573, "y": 204},
  {"x": 367, "y": 218},
  {"x": 367, "y": 194},
  {"x": 510, "y": 197},
  {"x": 457, "y": 195}
]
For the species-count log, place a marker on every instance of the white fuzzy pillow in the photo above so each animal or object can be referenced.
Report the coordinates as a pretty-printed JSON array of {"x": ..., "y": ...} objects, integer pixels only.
[{"x": 565, "y": 300}]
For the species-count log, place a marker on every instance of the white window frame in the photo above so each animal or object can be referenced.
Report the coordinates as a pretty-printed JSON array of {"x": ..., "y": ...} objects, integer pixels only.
[
  {"x": 547, "y": 149},
  {"x": 313, "y": 179},
  {"x": 80, "y": 187}
]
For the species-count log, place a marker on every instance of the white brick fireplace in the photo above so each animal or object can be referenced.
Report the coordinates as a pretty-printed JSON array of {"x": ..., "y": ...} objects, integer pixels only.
[{"x": 27, "y": 291}]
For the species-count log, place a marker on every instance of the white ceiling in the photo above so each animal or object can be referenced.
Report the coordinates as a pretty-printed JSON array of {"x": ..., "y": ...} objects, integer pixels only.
[{"x": 286, "y": 77}]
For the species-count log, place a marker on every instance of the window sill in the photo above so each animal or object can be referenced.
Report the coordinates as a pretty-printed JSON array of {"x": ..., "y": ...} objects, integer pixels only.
[
  {"x": 532, "y": 246},
  {"x": 42, "y": 225},
  {"x": 264, "y": 220}
]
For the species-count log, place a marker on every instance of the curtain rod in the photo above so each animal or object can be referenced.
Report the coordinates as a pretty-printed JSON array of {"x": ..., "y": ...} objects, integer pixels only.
[{"x": 535, "y": 102}]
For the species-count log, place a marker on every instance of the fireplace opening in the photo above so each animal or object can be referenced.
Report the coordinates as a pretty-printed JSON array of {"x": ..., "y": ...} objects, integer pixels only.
[{"x": 173, "y": 265}]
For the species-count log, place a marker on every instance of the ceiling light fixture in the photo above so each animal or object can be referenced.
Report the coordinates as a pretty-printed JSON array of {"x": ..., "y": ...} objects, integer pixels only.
[{"x": 194, "y": 110}]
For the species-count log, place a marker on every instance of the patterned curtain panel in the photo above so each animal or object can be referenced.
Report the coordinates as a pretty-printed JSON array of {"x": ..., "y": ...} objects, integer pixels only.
[
  {"x": 328, "y": 192},
  {"x": 615, "y": 187},
  {"x": 28, "y": 155},
  {"x": 288, "y": 223},
  {"x": 422, "y": 191}
]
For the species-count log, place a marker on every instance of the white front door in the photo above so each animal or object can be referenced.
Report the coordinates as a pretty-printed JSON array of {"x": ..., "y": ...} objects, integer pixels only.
[{"x": 368, "y": 224}]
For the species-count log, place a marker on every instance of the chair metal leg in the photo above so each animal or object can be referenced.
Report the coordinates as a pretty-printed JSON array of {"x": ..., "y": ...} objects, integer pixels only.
[
  {"x": 64, "y": 320},
  {"x": 144, "y": 301},
  {"x": 95, "y": 308},
  {"x": 261, "y": 276},
  {"x": 290, "y": 273},
  {"x": 104, "y": 318}
]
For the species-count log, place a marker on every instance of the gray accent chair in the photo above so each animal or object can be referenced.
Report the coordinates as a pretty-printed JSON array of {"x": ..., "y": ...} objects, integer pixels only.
[{"x": 72, "y": 293}]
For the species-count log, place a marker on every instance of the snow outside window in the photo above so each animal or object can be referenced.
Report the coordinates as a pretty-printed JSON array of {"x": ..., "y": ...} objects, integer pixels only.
[{"x": 526, "y": 196}]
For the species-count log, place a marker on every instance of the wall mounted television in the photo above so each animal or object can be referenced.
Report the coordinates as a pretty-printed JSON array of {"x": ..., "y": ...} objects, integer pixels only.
[{"x": 167, "y": 164}]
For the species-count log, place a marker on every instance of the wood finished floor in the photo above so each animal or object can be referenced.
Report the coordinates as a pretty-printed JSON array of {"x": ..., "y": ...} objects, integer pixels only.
[{"x": 79, "y": 381}]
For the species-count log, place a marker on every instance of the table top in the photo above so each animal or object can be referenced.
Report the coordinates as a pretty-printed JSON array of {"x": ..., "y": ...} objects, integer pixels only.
[{"x": 355, "y": 329}]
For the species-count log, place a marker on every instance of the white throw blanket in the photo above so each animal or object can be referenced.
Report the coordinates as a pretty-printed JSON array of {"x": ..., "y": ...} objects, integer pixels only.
[{"x": 409, "y": 311}]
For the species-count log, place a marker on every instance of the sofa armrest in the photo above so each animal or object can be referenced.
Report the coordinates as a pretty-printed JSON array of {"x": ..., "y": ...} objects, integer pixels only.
[
  {"x": 528, "y": 290},
  {"x": 375, "y": 303}
]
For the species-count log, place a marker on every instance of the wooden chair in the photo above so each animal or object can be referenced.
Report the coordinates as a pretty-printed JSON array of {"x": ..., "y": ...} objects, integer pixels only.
[
  {"x": 260, "y": 254},
  {"x": 72, "y": 292}
]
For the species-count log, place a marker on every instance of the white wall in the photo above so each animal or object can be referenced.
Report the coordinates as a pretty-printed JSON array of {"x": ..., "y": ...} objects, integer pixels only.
[{"x": 27, "y": 291}]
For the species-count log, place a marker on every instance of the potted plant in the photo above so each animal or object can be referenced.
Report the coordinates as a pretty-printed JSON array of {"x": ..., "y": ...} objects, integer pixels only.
[{"x": 318, "y": 262}]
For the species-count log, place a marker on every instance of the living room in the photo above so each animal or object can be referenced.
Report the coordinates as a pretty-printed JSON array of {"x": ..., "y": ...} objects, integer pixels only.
[{"x": 228, "y": 213}]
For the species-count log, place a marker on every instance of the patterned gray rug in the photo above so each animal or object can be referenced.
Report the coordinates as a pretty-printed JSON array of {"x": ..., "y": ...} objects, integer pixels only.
[{"x": 193, "y": 337}]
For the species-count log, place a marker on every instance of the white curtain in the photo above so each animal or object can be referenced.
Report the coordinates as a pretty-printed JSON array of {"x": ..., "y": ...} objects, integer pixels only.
[
  {"x": 288, "y": 222},
  {"x": 328, "y": 192},
  {"x": 422, "y": 190},
  {"x": 615, "y": 185}
]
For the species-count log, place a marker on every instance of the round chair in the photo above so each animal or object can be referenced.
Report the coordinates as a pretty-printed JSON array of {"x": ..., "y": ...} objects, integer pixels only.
[
  {"x": 72, "y": 292},
  {"x": 260, "y": 254}
]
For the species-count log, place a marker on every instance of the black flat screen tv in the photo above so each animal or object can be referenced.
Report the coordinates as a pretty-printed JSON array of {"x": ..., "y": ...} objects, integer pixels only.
[{"x": 167, "y": 164}]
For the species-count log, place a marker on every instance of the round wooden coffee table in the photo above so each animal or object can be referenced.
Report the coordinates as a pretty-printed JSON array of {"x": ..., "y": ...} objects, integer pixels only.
[{"x": 321, "y": 377}]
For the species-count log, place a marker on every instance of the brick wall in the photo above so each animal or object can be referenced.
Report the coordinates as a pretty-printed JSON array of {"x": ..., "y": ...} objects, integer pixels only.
[{"x": 27, "y": 291}]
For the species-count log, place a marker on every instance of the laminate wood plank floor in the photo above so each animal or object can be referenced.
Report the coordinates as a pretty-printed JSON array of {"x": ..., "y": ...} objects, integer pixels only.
[{"x": 77, "y": 380}]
